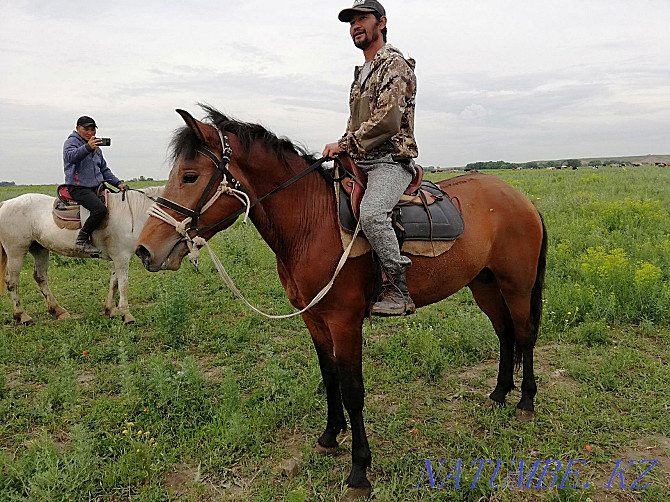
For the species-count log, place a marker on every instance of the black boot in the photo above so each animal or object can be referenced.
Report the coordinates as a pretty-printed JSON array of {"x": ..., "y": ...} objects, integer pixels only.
[
  {"x": 394, "y": 298},
  {"x": 84, "y": 245}
]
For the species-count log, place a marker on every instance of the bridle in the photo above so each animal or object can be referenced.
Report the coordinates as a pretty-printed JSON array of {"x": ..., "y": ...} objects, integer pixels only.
[{"x": 228, "y": 186}]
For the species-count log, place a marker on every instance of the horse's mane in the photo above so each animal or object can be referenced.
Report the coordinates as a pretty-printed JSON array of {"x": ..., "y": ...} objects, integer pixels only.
[
  {"x": 136, "y": 201},
  {"x": 184, "y": 142}
]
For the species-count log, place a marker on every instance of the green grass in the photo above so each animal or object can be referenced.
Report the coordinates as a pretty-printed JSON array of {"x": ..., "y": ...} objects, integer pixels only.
[{"x": 223, "y": 397}]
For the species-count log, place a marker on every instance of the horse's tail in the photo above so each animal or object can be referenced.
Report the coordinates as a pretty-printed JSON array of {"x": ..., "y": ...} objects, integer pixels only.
[
  {"x": 3, "y": 268},
  {"x": 535, "y": 296},
  {"x": 3, "y": 265}
]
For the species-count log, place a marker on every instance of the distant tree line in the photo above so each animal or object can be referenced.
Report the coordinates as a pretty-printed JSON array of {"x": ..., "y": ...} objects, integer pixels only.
[
  {"x": 501, "y": 164},
  {"x": 142, "y": 178},
  {"x": 7, "y": 184}
]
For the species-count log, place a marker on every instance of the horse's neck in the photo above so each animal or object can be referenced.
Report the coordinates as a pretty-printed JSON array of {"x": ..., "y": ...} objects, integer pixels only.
[
  {"x": 292, "y": 219},
  {"x": 135, "y": 206}
]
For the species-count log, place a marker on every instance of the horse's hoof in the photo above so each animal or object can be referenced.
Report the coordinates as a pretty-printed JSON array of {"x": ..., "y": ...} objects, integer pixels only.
[
  {"x": 356, "y": 494},
  {"x": 128, "y": 319},
  {"x": 524, "y": 415},
  {"x": 111, "y": 312},
  {"x": 63, "y": 315},
  {"x": 326, "y": 450},
  {"x": 490, "y": 403},
  {"x": 25, "y": 320}
]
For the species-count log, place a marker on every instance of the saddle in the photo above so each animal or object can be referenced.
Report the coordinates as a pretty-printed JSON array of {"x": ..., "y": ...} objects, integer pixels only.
[
  {"x": 424, "y": 212},
  {"x": 66, "y": 212}
]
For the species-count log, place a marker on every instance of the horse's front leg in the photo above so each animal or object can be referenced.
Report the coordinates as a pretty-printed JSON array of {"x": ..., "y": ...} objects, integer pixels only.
[
  {"x": 110, "y": 301},
  {"x": 336, "y": 423},
  {"x": 121, "y": 270},
  {"x": 348, "y": 346}
]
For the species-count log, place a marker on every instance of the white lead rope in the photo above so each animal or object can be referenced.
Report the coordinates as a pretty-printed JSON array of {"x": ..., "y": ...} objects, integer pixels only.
[
  {"x": 194, "y": 245},
  {"x": 319, "y": 296}
]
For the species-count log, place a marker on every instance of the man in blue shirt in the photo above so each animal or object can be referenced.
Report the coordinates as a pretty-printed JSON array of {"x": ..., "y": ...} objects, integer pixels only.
[{"x": 85, "y": 169}]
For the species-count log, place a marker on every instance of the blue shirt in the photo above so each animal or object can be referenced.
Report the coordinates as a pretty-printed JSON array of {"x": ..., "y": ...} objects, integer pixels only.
[{"x": 84, "y": 166}]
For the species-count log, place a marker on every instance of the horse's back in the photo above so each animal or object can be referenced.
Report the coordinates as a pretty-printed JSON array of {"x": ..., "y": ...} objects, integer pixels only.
[
  {"x": 490, "y": 200},
  {"x": 500, "y": 223},
  {"x": 28, "y": 218},
  {"x": 21, "y": 210}
]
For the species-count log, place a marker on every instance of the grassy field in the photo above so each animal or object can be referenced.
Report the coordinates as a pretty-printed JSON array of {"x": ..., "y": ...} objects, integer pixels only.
[{"x": 203, "y": 400}]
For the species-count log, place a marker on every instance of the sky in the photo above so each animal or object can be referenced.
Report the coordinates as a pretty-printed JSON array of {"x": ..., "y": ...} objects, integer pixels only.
[{"x": 513, "y": 80}]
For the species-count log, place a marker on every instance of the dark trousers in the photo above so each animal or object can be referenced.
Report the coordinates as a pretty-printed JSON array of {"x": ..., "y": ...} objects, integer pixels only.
[{"x": 86, "y": 197}]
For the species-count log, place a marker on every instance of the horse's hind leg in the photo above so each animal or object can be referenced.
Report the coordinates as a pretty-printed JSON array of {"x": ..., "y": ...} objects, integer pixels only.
[
  {"x": 487, "y": 294},
  {"x": 14, "y": 266},
  {"x": 336, "y": 422},
  {"x": 41, "y": 256},
  {"x": 519, "y": 307}
]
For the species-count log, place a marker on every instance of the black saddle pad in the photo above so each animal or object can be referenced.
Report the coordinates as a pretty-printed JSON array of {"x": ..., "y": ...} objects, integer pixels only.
[{"x": 445, "y": 223}]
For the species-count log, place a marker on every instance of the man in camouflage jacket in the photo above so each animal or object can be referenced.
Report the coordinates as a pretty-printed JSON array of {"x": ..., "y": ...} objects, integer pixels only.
[{"x": 380, "y": 137}]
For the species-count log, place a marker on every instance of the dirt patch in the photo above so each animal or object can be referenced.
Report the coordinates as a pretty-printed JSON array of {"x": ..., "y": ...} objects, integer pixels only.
[
  {"x": 215, "y": 373},
  {"x": 474, "y": 378},
  {"x": 656, "y": 447},
  {"x": 187, "y": 481},
  {"x": 391, "y": 404},
  {"x": 86, "y": 378},
  {"x": 550, "y": 373},
  {"x": 14, "y": 379},
  {"x": 178, "y": 481}
]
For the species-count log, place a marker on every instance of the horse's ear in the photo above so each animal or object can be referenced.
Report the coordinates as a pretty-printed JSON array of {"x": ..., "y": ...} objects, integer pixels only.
[{"x": 192, "y": 124}]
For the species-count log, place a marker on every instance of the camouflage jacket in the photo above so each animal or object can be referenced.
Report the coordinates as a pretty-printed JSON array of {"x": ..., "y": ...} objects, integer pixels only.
[{"x": 381, "y": 118}]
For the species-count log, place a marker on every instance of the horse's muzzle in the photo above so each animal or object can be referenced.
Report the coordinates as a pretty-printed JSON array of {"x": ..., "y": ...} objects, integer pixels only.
[
  {"x": 145, "y": 255},
  {"x": 171, "y": 262}
]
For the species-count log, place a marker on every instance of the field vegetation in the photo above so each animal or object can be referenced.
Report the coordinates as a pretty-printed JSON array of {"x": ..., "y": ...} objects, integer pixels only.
[{"x": 201, "y": 399}]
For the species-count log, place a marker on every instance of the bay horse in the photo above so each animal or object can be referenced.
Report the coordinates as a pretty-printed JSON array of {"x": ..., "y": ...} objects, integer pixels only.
[
  {"x": 27, "y": 225},
  {"x": 501, "y": 256}
]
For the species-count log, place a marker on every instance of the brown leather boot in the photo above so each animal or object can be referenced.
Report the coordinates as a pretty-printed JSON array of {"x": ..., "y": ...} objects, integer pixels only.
[
  {"x": 394, "y": 298},
  {"x": 84, "y": 245}
]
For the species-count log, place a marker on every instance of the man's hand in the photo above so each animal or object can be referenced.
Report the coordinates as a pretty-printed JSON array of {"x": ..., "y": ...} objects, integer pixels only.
[
  {"x": 123, "y": 187},
  {"x": 332, "y": 150},
  {"x": 94, "y": 142}
]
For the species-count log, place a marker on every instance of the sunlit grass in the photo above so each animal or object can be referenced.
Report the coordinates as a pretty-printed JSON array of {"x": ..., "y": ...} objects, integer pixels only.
[{"x": 227, "y": 396}]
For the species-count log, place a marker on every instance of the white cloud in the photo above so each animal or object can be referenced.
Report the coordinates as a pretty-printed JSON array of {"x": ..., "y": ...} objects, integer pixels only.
[{"x": 498, "y": 79}]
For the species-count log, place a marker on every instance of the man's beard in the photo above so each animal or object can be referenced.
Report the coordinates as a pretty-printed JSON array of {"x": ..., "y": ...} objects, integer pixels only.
[{"x": 366, "y": 42}]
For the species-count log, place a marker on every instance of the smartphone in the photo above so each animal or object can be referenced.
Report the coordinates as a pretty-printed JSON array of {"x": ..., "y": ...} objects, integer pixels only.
[{"x": 105, "y": 141}]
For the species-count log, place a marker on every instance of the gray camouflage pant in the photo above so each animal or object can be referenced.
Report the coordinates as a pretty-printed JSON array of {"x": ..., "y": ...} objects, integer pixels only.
[{"x": 387, "y": 180}]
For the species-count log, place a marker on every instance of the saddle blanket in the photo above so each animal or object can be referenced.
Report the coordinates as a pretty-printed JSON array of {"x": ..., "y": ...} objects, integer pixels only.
[{"x": 67, "y": 215}]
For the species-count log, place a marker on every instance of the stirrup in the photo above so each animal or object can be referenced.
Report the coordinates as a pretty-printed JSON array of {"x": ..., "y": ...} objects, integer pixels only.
[
  {"x": 88, "y": 248},
  {"x": 392, "y": 302}
]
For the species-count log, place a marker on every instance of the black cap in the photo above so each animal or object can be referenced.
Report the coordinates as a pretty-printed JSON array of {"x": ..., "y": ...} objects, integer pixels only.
[
  {"x": 85, "y": 121},
  {"x": 361, "y": 6}
]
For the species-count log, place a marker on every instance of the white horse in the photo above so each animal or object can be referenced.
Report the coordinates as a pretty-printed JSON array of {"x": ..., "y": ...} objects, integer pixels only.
[{"x": 27, "y": 224}]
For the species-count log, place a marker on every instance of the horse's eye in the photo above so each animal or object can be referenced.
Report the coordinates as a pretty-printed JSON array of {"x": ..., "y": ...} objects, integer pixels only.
[{"x": 190, "y": 178}]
